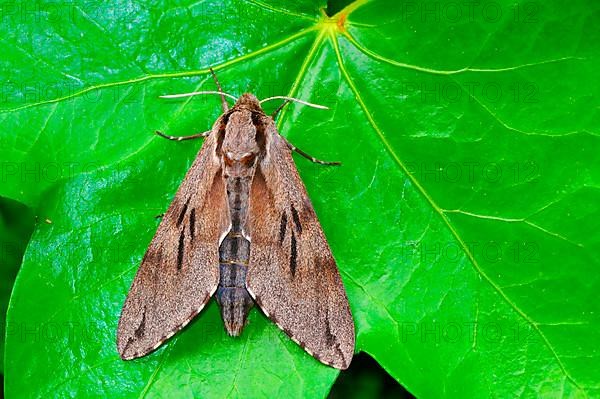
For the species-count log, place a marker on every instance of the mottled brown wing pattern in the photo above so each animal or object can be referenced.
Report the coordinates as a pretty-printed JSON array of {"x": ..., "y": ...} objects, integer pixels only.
[
  {"x": 292, "y": 275},
  {"x": 180, "y": 270}
]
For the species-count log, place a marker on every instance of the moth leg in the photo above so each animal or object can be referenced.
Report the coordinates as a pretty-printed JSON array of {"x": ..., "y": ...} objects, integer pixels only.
[
  {"x": 159, "y": 216},
  {"x": 223, "y": 102},
  {"x": 309, "y": 157},
  {"x": 181, "y": 138}
]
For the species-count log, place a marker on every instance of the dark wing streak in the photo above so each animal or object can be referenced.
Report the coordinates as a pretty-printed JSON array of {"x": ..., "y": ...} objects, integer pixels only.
[
  {"x": 174, "y": 282},
  {"x": 299, "y": 290}
]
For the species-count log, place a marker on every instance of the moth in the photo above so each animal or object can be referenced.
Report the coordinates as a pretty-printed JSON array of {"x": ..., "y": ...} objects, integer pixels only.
[{"x": 242, "y": 228}]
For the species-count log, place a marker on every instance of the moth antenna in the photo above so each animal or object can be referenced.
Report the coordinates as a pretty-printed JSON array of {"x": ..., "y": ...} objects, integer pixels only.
[
  {"x": 181, "y": 138},
  {"x": 296, "y": 100},
  {"x": 197, "y": 93},
  {"x": 223, "y": 102}
]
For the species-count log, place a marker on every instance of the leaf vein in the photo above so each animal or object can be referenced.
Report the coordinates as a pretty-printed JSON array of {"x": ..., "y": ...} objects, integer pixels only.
[
  {"x": 372, "y": 54},
  {"x": 167, "y": 75}
]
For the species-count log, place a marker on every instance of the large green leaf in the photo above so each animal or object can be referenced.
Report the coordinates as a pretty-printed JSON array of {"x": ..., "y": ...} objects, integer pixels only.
[{"x": 464, "y": 218}]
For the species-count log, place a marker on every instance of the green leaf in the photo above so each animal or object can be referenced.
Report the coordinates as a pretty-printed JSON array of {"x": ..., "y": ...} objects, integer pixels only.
[{"x": 464, "y": 218}]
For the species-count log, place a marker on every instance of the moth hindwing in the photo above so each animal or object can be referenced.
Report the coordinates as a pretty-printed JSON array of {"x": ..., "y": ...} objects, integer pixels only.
[{"x": 241, "y": 227}]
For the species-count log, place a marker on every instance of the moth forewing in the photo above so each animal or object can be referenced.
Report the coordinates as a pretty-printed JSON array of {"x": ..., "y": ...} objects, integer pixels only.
[
  {"x": 292, "y": 274},
  {"x": 180, "y": 270}
]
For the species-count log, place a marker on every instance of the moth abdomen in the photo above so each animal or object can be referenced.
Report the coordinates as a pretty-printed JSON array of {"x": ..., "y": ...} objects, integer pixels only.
[
  {"x": 235, "y": 303},
  {"x": 232, "y": 275},
  {"x": 233, "y": 299},
  {"x": 234, "y": 248}
]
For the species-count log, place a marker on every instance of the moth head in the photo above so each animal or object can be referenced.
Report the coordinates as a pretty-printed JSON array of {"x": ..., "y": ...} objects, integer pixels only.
[{"x": 248, "y": 101}]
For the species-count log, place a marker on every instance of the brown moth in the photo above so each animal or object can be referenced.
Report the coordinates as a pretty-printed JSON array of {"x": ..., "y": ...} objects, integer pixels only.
[{"x": 241, "y": 227}]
